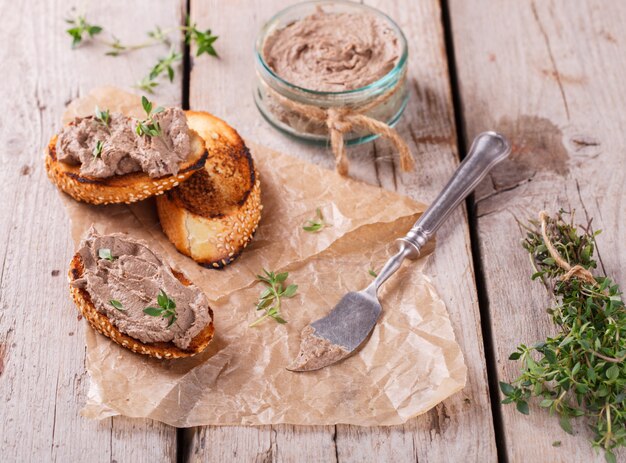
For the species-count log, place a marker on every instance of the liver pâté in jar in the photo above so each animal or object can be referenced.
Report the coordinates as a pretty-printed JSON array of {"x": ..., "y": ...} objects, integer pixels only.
[{"x": 324, "y": 59}]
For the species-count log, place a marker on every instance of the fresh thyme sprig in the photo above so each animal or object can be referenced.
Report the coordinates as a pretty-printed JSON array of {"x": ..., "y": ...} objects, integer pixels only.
[
  {"x": 81, "y": 29},
  {"x": 147, "y": 85},
  {"x": 97, "y": 150},
  {"x": 104, "y": 117},
  {"x": 156, "y": 37},
  {"x": 149, "y": 127},
  {"x": 204, "y": 41},
  {"x": 160, "y": 35},
  {"x": 317, "y": 223},
  {"x": 166, "y": 309},
  {"x": 270, "y": 298},
  {"x": 165, "y": 65},
  {"x": 580, "y": 371}
]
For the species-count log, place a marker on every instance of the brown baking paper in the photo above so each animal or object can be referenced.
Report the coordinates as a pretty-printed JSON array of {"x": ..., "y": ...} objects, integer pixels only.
[{"x": 410, "y": 363}]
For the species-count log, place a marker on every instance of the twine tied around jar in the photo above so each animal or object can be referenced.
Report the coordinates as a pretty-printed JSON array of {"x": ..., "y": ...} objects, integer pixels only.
[{"x": 342, "y": 120}]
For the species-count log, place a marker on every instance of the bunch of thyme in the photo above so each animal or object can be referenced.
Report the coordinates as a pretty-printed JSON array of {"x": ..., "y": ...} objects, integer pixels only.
[{"x": 580, "y": 371}]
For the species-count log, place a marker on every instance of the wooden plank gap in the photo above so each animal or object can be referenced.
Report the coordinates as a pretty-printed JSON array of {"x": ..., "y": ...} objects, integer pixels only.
[
  {"x": 479, "y": 277},
  {"x": 183, "y": 435},
  {"x": 187, "y": 59}
]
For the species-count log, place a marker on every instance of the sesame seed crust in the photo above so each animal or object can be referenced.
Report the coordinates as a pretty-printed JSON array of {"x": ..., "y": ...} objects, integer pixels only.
[{"x": 212, "y": 216}]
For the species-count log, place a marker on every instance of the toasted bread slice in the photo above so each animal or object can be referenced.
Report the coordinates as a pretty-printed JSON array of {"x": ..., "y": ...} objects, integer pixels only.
[
  {"x": 213, "y": 215},
  {"x": 126, "y": 188},
  {"x": 101, "y": 323}
]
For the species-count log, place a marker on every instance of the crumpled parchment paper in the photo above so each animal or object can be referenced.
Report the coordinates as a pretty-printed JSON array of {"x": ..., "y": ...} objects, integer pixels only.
[{"x": 411, "y": 362}]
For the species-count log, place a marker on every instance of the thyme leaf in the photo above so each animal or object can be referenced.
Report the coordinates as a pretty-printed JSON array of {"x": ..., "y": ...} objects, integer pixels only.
[
  {"x": 117, "y": 304},
  {"x": 105, "y": 253},
  {"x": 97, "y": 150}
]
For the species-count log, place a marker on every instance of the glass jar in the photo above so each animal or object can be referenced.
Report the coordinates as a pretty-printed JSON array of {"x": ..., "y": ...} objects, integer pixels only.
[{"x": 288, "y": 107}]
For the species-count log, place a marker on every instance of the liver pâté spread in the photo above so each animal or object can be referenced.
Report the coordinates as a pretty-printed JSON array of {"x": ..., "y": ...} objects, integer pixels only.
[
  {"x": 120, "y": 269},
  {"x": 316, "y": 352},
  {"x": 122, "y": 150},
  {"x": 333, "y": 52}
]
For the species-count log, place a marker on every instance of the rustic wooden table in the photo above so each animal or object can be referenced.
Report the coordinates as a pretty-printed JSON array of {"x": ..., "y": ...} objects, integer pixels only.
[{"x": 547, "y": 73}]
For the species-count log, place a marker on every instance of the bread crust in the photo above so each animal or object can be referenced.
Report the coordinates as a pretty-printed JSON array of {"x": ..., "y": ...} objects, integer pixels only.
[
  {"x": 126, "y": 188},
  {"x": 212, "y": 216},
  {"x": 102, "y": 324}
]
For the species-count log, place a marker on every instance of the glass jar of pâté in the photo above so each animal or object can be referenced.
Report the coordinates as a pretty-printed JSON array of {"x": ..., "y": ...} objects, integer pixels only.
[{"x": 341, "y": 56}]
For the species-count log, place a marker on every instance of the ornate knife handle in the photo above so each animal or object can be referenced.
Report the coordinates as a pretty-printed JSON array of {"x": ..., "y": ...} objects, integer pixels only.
[{"x": 488, "y": 149}]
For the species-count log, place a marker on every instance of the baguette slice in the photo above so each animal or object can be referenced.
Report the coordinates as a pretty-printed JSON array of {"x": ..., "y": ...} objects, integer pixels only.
[
  {"x": 126, "y": 188},
  {"x": 102, "y": 324},
  {"x": 213, "y": 215}
]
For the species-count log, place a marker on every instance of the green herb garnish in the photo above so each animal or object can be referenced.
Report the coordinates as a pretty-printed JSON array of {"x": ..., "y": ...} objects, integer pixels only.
[
  {"x": 116, "y": 47},
  {"x": 163, "y": 65},
  {"x": 156, "y": 37},
  {"x": 147, "y": 85},
  {"x": 317, "y": 223},
  {"x": 117, "y": 304},
  {"x": 104, "y": 117},
  {"x": 97, "y": 150},
  {"x": 581, "y": 370},
  {"x": 159, "y": 35},
  {"x": 372, "y": 273},
  {"x": 204, "y": 41},
  {"x": 105, "y": 253},
  {"x": 149, "y": 127},
  {"x": 80, "y": 29},
  {"x": 166, "y": 309},
  {"x": 270, "y": 298}
]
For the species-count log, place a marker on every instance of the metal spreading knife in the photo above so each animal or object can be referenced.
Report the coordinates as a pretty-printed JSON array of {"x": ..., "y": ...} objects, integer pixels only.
[{"x": 349, "y": 324}]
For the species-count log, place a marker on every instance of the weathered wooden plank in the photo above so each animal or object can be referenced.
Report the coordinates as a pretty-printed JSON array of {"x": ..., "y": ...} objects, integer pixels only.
[
  {"x": 42, "y": 373},
  {"x": 548, "y": 74},
  {"x": 459, "y": 428}
]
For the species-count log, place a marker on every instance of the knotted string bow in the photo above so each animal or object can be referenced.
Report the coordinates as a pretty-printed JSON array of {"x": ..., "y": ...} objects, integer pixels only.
[{"x": 342, "y": 120}]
